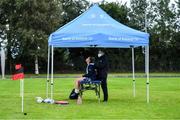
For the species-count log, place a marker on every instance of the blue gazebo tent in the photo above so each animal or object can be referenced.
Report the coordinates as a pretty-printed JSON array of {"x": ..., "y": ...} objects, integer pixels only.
[{"x": 95, "y": 28}]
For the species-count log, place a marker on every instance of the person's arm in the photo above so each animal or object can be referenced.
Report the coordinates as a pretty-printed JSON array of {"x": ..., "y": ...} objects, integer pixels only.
[
  {"x": 90, "y": 71},
  {"x": 102, "y": 63},
  {"x": 85, "y": 75}
]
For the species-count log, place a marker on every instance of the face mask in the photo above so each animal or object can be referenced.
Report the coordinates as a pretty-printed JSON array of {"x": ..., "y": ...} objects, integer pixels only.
[{"x": 99, "y": 55}]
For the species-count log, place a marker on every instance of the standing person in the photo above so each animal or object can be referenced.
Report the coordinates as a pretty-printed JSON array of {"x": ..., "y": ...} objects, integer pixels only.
[{"x": 101, "y": 65}]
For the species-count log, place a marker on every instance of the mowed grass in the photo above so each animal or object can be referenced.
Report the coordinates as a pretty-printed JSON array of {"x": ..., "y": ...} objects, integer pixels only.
[{"x": 164, "y": 100}]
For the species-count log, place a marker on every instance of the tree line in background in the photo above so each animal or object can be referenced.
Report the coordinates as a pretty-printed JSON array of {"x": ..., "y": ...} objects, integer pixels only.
[{"x": 26, "y": 24}]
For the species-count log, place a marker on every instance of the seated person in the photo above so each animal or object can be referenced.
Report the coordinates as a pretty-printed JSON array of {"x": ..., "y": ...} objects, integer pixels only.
[{"x": 90, "y": 75}]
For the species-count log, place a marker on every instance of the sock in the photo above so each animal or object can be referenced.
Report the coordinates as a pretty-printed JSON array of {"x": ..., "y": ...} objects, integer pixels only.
[{"x": 76, "y": 91}]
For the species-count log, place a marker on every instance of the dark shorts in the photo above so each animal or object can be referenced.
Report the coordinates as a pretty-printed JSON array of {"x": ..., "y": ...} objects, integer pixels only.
[{"x": 86, "y": 79}]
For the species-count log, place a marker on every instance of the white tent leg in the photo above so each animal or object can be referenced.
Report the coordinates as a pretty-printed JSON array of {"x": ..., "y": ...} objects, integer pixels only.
[
  {"x": 145, "y": 60},
  {"x": 47, "y": 82},
  {"x": 52, "y": 79},
  {"x": 133, "y": 70},
  {"x": 147, "y": 73}
]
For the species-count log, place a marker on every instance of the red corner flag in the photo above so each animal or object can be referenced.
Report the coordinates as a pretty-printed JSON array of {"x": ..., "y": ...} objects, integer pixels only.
[{"x": 19, "y": 72}]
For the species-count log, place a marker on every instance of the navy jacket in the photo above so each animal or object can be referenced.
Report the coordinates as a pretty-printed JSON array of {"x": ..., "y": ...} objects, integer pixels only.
[
  {"x": 90, "y": 71},
  {"x": 101, "y": 65}
]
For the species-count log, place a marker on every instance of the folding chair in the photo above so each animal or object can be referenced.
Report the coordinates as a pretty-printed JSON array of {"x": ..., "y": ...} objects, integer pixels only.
[{"x": 90, "y": 85}]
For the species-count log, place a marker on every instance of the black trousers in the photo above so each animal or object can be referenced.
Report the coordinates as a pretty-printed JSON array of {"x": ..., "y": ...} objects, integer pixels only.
[{"x": 104, "y": 88}]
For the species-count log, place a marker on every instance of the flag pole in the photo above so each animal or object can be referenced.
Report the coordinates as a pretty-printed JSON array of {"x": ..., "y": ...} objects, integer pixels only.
[
  {"x": 22, "y": 94},
  {"x": 20, "y": 88},
  {"x": 19, "y": 75}
]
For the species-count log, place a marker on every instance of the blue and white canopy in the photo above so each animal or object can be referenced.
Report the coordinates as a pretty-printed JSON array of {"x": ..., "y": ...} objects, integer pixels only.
[{"x": 96, "y": 28}]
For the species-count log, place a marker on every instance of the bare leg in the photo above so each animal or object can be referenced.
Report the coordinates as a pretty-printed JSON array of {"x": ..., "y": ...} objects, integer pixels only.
[
  {"x": 77, "y": 83},
  {"x": 77, "y": 87}
]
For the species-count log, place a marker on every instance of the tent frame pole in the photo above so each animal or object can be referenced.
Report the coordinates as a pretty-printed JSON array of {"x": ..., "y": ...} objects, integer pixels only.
[
  {"x": 47, "y": 81},
  {"x": 52, "y": 72},
  {"x": 147, "y": 73},
  {"x": 133, "y": 72},
  {"x": 145, "y": 60}
]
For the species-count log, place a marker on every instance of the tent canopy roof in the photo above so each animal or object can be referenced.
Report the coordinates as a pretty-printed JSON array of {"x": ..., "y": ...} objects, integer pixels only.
[{"x": 96, "y": 28}]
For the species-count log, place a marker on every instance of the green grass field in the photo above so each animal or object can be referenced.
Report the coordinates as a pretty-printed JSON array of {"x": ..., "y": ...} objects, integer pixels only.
[{"x": 164, "y": 100}]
